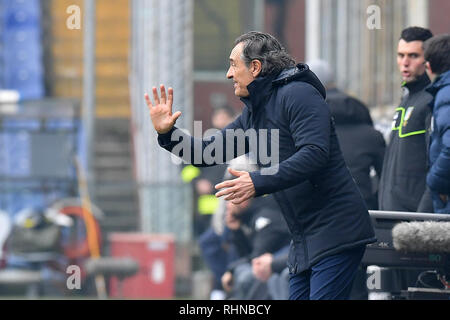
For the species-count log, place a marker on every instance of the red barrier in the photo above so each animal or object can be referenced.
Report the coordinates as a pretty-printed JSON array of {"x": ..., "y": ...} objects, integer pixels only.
[{"x": 155, "y": 254}]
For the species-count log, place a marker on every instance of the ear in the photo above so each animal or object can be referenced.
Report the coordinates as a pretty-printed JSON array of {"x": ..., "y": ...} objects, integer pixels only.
[
  {"x": 428, "y": 66},
  {"x": 256, "y": 67}
]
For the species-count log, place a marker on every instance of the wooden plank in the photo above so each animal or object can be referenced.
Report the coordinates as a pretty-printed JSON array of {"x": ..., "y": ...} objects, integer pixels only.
[
  {"x": 118, "y": 91},
  {"x": 112, "y": 69},
  {"x": 108, "y": 111},
  {"x": 113, "y": 32},
  {"x": 67, "y": 50},
  {"x": 114, "y": 91},
  {"x": 111, "y": 49},
  {"x": 60, "y": 6}
]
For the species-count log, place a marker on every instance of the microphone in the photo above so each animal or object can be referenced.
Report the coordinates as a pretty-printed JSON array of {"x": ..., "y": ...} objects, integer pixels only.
[{"x": 423, "y": 236}]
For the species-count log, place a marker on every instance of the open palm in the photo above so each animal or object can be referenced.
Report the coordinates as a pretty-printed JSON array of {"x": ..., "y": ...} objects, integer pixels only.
[{"x": 161, "y": 111}]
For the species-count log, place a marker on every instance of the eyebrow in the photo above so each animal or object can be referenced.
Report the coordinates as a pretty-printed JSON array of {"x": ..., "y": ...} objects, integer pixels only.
[{"x": 408, "y": 53}]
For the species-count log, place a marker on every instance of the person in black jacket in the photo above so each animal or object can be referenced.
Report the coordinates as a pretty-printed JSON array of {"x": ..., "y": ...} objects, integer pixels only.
[
  {"x": 257, "y": 228},
  {"x": 403, "y": 180},
  {"x": 287, "y": 126},
  {"x": 271, "y": 269},
  {"x": 362, "y": 145},
  {"x": 208, "y": 177},
  {"x": 215, "y": 243}
]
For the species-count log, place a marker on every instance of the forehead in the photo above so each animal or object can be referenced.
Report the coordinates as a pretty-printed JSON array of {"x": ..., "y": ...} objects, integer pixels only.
[
  {"x": 410, "y": 47},
  {"x": 236, "y": 52}
]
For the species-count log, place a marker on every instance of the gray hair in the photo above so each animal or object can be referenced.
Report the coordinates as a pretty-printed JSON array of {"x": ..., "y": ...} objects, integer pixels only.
[{"x": 265, "y": 48}]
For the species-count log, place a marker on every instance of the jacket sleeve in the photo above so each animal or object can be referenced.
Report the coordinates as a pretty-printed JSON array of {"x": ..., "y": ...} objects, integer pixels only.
[
  {"x": 379, "y": 150},
  {"x": 309, "y": 121},
  {"x": 438, "y": 178},
  {"x": 216, "y": 149},
  {"x": 279, "y": 263}
]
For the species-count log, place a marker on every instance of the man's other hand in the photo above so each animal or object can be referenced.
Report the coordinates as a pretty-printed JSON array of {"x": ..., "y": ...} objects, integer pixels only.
[{"x": 237, "y": 190}]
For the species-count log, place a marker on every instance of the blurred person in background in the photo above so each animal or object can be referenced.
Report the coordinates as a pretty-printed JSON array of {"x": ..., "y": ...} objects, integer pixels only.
[
  {"x": 403, "y": 180},
  {"x": 437, "y": 55},
  {"x": 213, "y": 246},
  {"x": 204, "y": 179},
  {"x": 217, "y": 249},
  {"x": 362, "y": 145},
  {"x": 257, "y": 228},
  {"x": 230, "y": 243},
  {"x": 271, "y": 269}
]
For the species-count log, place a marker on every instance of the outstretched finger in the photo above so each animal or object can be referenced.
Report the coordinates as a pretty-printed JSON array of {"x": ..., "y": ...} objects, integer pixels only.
[
  {"x": 231, "y": 196},
  {"x": 238, "y": 200},
  {"x": 163, "y": 94},
  {"x": 226, "y": 192},
  {"x": 170, "y": 98},
  {"x": 155, "y": 96},
  {"x": 236, "y": 173},
  {"x": 225, "y": 184},
  {"x": 147, "y": 99},
  {"x": 175, "y": 116}
]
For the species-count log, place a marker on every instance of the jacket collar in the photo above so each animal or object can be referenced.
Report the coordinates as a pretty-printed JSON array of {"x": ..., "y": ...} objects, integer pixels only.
[
  {"x": 422, "y": 82},
  {"x": 441, "y": 81},
  {"x": 259, "y": 90}
]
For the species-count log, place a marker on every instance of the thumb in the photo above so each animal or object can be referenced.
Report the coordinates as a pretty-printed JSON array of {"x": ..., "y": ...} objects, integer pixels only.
[
  {"x": 235, "y": 172},
  {"x": 175, "y": 116}
]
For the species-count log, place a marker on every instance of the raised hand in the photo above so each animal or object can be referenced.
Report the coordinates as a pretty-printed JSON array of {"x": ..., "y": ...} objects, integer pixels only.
[{"x": 161, "y": 112}]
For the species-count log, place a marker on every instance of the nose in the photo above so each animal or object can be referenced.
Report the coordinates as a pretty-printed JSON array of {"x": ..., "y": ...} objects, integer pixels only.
[
  {"x": 405, "y": 61},
  {"x": 229, "y": 74}
]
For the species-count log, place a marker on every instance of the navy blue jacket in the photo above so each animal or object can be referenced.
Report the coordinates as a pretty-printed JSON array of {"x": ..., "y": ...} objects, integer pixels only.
[
  {"x": 320, "y": 201},
  {"x": 438, "y": 178}
]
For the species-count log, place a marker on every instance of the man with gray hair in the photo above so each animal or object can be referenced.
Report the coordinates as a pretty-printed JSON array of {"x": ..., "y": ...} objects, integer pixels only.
[{"x": 328, "y": 220}]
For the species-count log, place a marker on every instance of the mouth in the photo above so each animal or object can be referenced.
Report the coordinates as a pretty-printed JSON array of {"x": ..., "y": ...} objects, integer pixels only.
[{"x": 406, "y": 74}]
